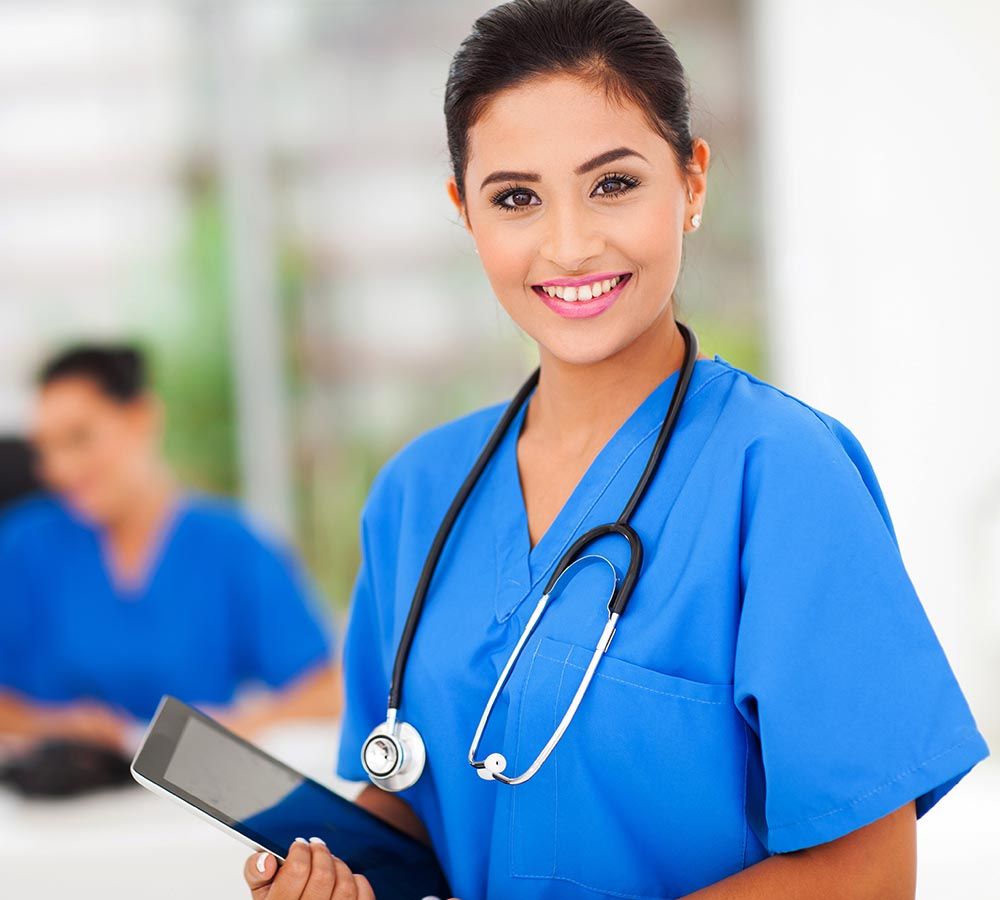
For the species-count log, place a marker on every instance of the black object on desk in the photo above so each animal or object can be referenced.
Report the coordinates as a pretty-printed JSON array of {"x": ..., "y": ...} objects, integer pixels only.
[{"x": 65, "y": 768}]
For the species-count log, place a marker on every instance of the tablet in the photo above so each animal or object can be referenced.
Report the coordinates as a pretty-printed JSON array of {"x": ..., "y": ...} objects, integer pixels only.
[{"x": 190, "y": 758}]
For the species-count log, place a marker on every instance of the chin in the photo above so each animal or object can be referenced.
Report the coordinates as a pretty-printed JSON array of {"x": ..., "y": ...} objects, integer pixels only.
[
  {"x": 91, "y": 509},
  {"x": 574, "y": 351}
]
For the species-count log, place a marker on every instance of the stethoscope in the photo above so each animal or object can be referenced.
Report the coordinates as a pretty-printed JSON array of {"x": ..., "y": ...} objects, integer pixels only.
[{"x": 394, "y": 753}]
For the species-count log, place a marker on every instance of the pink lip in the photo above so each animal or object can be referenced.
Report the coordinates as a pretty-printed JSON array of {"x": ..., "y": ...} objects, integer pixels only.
[
  {"x": 576, "y": 282},
  {"x": 581, "y": 309}
]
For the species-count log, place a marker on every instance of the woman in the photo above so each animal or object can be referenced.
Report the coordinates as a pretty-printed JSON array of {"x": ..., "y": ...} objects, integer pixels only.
[
  {"x": 121, "y": 586},
  {"x": 774, "y": 711}
]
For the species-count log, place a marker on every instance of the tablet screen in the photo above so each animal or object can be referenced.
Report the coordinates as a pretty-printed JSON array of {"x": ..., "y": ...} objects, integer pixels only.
[{"x": 232, "y": 778}]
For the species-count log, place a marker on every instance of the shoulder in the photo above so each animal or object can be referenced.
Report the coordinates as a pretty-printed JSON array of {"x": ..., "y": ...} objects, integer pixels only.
[
  {"x": 34, "y": 519},
  {"x": 788, "y": 442},
  {"x": 435, "y": 459},
  {"x": 217, "y": 522},
  {"x": 769, "y": 419},
  {"x": 761, "y": 408}
]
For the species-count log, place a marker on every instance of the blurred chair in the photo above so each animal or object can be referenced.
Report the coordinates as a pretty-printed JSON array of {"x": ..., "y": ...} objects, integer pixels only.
[{"x": 17, "y": 473}]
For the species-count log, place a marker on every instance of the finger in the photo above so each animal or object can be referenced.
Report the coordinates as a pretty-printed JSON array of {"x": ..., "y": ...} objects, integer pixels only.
[
  {"x": 365, "y": 891},
  {"x": 258, "y": 872},
  {"x": 323, "y": 876},
  {"x": 293, "y": 876},
  {"x": 347, "y": 887}
]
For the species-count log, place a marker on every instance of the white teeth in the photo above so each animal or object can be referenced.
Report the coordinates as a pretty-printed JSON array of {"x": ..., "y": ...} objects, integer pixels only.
[{"x": 583, "y": 291}]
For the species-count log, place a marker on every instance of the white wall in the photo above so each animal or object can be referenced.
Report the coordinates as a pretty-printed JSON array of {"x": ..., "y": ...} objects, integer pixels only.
[
  {"x": 880, "y": 189},
  {"x": 92, "y": 121}
]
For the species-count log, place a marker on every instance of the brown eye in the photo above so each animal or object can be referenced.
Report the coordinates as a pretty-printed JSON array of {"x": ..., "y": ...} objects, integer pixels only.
[
  {"x": 604, "y": 184},
  {"x": 520, "y": 198},
  {"x": 624, "y": 183}
]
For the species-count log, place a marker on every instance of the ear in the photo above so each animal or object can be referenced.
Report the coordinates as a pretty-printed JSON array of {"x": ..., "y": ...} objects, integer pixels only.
[
  {"x": 697, "y": 173},
  {"x": 452, "y": 187}
]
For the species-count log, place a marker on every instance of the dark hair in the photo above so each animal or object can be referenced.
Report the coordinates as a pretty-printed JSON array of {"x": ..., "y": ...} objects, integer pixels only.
[
  {"x": 608, "y": 43},
  {"x": 119, "y": 370}
]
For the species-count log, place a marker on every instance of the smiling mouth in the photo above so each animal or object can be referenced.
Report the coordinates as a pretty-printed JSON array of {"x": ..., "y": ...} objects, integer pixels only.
[{"x": 583, "y": 292}]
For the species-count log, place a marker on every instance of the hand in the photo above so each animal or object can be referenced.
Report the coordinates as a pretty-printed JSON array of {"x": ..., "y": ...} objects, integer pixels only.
[
  {"x": 85, "y": 720},
  {"x": 315, "y": 695},
  {"x": 310, "y": 872}
]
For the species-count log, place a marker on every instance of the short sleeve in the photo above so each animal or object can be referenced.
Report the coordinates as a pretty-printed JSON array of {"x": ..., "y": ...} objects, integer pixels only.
[
  {"x": 853, "y": 707},
  {"x": 284, "y": 632},
  {"x": 366, "y": 686}
]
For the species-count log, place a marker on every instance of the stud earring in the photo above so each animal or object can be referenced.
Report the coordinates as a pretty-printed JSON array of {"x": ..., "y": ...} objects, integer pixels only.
[{"x": 695, "y": 220}]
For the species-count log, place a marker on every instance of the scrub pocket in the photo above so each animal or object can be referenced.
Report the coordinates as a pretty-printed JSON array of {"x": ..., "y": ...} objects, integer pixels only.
[{"x": 644, "y": 795}]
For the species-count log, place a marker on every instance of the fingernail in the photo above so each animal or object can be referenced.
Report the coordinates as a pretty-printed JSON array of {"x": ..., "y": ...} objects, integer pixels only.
[
  {"x": 301, "y": 841},
  {"x": 316, "y": 840},
  {"x": 262, "y": 862}
]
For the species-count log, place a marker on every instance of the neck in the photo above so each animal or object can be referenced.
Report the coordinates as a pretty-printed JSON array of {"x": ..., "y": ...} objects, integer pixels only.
[
  {"x": 576, "y": 406},
  {"x": 147, "y": 508}
]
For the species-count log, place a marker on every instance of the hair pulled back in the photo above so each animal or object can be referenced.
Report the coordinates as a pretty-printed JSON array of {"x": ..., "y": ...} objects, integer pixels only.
[{"x": 609, "y": 44}]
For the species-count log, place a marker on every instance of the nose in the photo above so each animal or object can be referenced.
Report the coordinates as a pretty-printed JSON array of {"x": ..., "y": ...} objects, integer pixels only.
[{"x": 572, "y": 237}]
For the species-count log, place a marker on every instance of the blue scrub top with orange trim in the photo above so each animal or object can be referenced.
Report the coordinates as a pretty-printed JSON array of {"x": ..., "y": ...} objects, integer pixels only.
[
  {"x": 773, "y": 684},
  {"x": 225, "y": 606}
]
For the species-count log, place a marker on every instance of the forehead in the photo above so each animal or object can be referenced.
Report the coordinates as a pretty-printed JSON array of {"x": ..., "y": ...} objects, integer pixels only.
[
  {"x": 72, "y": 394},
  {"x": 558, "y": 120}
]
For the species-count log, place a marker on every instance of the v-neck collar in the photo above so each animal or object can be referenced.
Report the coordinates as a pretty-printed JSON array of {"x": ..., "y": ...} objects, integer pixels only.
[
  {"x": 133, "y": 592},
  {"x": 519, "y": 566}
]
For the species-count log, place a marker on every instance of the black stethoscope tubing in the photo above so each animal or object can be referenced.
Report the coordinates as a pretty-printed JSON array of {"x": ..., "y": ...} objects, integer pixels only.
[{"x": 623, "y": 591}]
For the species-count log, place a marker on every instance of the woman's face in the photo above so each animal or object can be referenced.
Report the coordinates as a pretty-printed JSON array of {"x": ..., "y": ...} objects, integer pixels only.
[
  {"x": 93, "y": 451},
  {"x": 546, "y": 200}
]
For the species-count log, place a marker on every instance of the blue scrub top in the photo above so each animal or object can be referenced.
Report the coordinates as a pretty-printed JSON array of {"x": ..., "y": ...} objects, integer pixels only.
[
  {"x": 223, "y": 607},
  {"x": 773, "y": 684}
]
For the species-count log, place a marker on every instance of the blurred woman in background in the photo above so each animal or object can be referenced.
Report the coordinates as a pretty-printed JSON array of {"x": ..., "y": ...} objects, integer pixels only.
[{"x": 120, "y": 585}]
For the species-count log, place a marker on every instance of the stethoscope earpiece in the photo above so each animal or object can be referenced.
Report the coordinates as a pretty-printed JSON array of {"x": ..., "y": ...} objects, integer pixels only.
[{"x": 493, "y": 765}]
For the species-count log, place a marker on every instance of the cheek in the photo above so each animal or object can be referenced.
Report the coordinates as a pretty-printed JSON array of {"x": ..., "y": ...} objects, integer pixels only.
[
  {"x": 506, "y": 258},
  {"x": 109, "y": 454},
  {"x": 654, "y": 238},
  {"x": 507, "y": 262}
]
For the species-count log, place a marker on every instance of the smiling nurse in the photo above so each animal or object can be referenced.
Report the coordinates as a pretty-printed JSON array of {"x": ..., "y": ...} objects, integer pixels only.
[{"x": 775, "y": 711}]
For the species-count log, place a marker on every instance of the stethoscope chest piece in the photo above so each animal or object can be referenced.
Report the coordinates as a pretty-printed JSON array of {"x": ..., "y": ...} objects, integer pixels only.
[{"x": 394, "y": 756}]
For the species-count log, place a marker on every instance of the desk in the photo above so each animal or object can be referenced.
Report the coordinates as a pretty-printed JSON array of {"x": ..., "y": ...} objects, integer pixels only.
[{"x": 133, "y": 845}]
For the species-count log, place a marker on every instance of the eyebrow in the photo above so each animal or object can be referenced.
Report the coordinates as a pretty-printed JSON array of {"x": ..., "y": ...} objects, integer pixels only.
[{"x": 602, "y": 159}]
